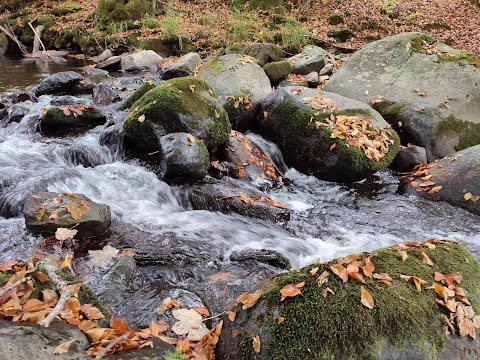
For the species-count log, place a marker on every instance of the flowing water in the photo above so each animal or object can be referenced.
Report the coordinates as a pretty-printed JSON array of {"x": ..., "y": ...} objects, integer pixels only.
[{"x": 327, "y": 219}]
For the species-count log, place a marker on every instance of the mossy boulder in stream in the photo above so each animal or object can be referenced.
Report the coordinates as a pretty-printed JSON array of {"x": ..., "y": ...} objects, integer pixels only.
[
  {"x": 137, "y": 94},
  {"x": 177, "y": 105},
  {"x": 322, "y": 324},
  {"x": 70, "y": 120},
  {"x": 328, "y": 135}
]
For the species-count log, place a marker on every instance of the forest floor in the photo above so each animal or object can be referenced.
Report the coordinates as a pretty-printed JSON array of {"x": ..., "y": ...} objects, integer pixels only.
[{"x": 212, "y": 24}]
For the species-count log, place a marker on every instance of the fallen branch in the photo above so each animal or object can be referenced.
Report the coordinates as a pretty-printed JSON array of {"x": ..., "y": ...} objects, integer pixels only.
[
  {"x": 11, "y": 35},
  {"x": 13, "y": 286},
  {"x": 61, "y": 286},
  {"x": 37, "y": 32},
  {"x": 111, "y": 344}
]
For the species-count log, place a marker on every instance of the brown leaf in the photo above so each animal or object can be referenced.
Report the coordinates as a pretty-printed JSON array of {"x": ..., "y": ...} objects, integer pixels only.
[
  {"x": 366, "y": 298},
  {"x": 192, "y": 88},
  {"x": 63, "y": 348},
  {"x": 434, "y": 190},
  {"x": 467, "y": 196},
  {"x": 92, "y": 313},
  {"x": 368, "y": 267},
  {"x": 314, "y": 270},
  {"x": 231, "y": 315},
  {"x": 8, "y": 265},
  {"x": 256, "y": 344},
  {"x": 426, "y": 259},
  {"x": 291, "y": 290},
  {"x": 77, "y": 211},
  {"x": 327, "y": 291},
  {"x": 121, "y": 327},
  {"x": 202, "y": 311},
  {"x": 190, "y": 139},
  {"x": 251, "y": 299},
  {"x": 322, "y": 278},
  {"x": 416, "y": 280},
  {"x": 383, "y": 278},
  {"x": 403, "y": 255},
  {"x": 340, "y": 271}
]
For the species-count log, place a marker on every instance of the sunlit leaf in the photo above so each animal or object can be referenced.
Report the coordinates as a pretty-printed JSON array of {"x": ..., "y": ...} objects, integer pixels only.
[
  {"x": 340, "y": 271},
  {"x": 141, "y": 118},
  {"x": 291, "y": 290},
  {"x": 322, "y": 278},
  {"x": 280, "y": 319},
  {"x": 76, "y": 211},
  {"x": 416, "y": 280},
  {"x": 63, "y": 348},
  {"x": 426, "y": 259},
  {"x": 256, "y": 344},
  {"x": 63, "y": 234},
  {"x": 368, "y": 267},
  {"x": 251, "y": 299},
  {"x": 202, "y": 311},
  {"x": 101, "y": 257},
  {"x": 366, "y": 298}
]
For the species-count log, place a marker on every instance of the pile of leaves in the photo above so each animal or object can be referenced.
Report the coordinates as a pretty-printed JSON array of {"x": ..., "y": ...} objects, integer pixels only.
[
  {"x": 50, "y": 209},
  {"x": 254, "y": 200}
]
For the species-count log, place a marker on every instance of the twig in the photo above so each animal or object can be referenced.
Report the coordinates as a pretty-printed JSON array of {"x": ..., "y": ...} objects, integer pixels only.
[
  {"x": 61, "y": 286},
  {"x": 111, "y": 344},
  {"x": 13, "y": 286},
  {"x": 12, "y": 36},
  {"x": 214, "y": 316},
  {"x": 37, "y": 36}
]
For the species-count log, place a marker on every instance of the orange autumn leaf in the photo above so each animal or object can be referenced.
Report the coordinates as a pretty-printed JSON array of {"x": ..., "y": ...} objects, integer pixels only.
[
  {"x": 121, "y": 327},
  {"x": 8, "y": 265},
  {"x": 384, "y": 278},
  {"x": 449, "y": 279},
  {"x": 368, "y": 267},
  {"x": 314, "y": 271},
  {"x": 426, "y": 259},
  {"x": 403, "y": 255},
  {"x": 92, "y": 313},
  {"x": 291, "y": 290},
  {"x": 242, "y": 173},
  {"x": 202, "y": 311},
  {"x": 231, "y": 315},
  {"x": 251, "y": 299},
  {"x": 340, "y": 271},
  {"x": 280, "y": 319},
  {"x": 322, "y": 278},
  {"x": 416, "y": 280},
  {"x": 366, "y": 298}
]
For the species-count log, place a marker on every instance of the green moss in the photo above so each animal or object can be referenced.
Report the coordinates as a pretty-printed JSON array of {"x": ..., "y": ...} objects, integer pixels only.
[
  {"x": 340, "y": 35},
  {"x": 215, "y": 64},
  {"x": 462, "y": 56},
  {"x": 205, "y": 156},
  {"x": 176, "y": 355},
  {"x": 339, "y": 326},
  {"x": 393, "y": 113},
  {"x": 468, "y": 133},
  {"x": 137, "y": 94},
  {"x": 66, "y": 8},
  {"x": 234, "y": 48},
  {"x": 114, "y": 10},
  {"x": 288, "y": 119},
  {"x": 277, "y": 70},
  {"x": 45, "y": 20},
  {"x": 273, "y": 5},
  {"x": 175, "y": 107},
  {"x": 335, "y": 19},
  {"x": 417, "y": 41}
]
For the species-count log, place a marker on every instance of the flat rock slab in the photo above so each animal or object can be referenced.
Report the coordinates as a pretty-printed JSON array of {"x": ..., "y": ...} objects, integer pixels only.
[
  {"x": 46, "y": 212},
  {"x": 59, "y": 83}
]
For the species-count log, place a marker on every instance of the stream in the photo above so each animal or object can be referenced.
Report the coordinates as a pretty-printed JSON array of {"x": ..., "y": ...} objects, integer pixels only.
[{"x": 191, "y": 248}]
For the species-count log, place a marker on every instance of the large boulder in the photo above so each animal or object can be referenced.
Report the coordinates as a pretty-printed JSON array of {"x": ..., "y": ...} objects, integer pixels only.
[
  {"x": 455, "y": 179},
  {"x": 59, "y": 83},
  {"x": 427, "y": 90},
  {"x": 186, "y": 157},
  {"x": 264, "y": 52},
  {"x": 70, "y": 119},
  {"x": 137, "y": 94},
  {"x": 177, "y": 105},
  {"x": 184, "y": 66},
  {"x": 141, "y": 60},
  {"x": 312, "y": 313},
  {"x": 312, "y": 58},
  {"x": 328, "y": 135},
  {"x": 241, "y": 85},
  {"x": 46, "y": 212}
]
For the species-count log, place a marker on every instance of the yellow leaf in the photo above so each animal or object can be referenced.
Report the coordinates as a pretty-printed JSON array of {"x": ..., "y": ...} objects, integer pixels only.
[
  {"x": 77, "y": 211},
  {"x": 467, "y": 196},
  {"x": 192, "y": 88},
  {"x": 368, "y": 267},
  {"x": 291, "y": 290},
  {"x": 41, "y": 212},
  {"x": 426, "y": 259},
  {"x": 403, "y": 254},
  {"x": 434, "y": 190},
  {"x": 251, "y": 299},
  {"x": 366, "y": 298},
  {"x": 256, "y": 344},
  {"x": 190, "y": 139},
  {"x": 280, "y": 319},
  {"x": 327, "y": 291},
  {"x": 141, "y": 118}
]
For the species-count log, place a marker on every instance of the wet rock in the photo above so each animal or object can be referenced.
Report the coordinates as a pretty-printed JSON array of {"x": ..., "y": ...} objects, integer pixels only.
[
  {"x": 116, "y": 282},
  {"x": 457, "y": 174},
  {"x": 142, "y": 60},
  {"x": 241, "y": 86},
  {"x": 312, "y": 58},
  {"x": 226, "y": 197},
  {"x": 277, "y": 71},
  {"x": 46, "y": 212},
  {"x": 16, "y": 112},
  {"x": 104, "y": 95},
  {"x": 270, "y": 257},
  {"x": 409, "y": 157},
  {"x": 413, "y": 333},
  {"x": 112, "y": 63},
  {"x": 248, "y": 162},
  {"x": 80, "y": 118},
  {"x": 59, "y": 83},
  {"x": 312, "y": 79},
  {"x": 83, "y": 87},
  {"x": 413, "y": 90},
  {"x": 105, "y": 55},
  {"x": 264, "y": 53},
  {"x": 177, "y": 105},
  {"x": 186, "y": 157},
  {"x": 30, "y": 341},
  {"x": 137, "y": 94},
  {"x": 183, "y": 67},
  {"x": 79, "y": 155},
  {"x": 293, "y": 113}
]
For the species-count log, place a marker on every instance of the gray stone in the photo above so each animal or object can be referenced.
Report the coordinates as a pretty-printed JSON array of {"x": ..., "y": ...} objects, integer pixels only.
[
  {"x": 458, "y": 175},
  {"x": 104, "y": 95},
  {"x": 186, "y": 157},
  {"x": 183, "y": 67},
  {"x": 113, "y": 63},
  {"x": 264, "y": 53},
  {"x": 59, "y": 83},
  {"x": 431, "y": 103},
  {"x": 409, "y": 157},
  {"x": 326, "y": 70},
  {"x": 38, "y": 210},
  {"x": 104, "y": 55},
  {"x": 278, "y": 70},
  {"x": 142, "y": 60},
  {"x": 232, "y": 76},
  {"x": 312, "y": 58},
  {"x": 312, "y": 79},
  {"x": 65, "y": 121}
]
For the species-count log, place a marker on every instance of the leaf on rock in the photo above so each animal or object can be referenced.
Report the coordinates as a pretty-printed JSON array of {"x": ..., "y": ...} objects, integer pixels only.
[
  {"x": 231, "y": 315},
  {"x": 251, "y": 299},
  {"x": 190, "y": 139},
  {"x": 322, "y": 278},
  {"x": 467, "y": 196},
  {"x": 190, "y": 323},
  {"x": 121, "y": 327},
  {"x": 202, "y": 311},
  {"x": 167, "y": 303},
  {"x": 141, "y": 118},
  {"x": 434, "y": 189},
  {"x": 101, "y": 257},
  {"x": 366, "y": 298},
  {"x": 63, "y": 234},
  {"x": 256, "y": 344},
  {"x": 63, "y": 348},
  {"x": 314, "y": 271},
  {"x": 282, "y": 319},
  {"x": 192, "y": 88},
  {"x": 416, "y": 280},
  {"x": 426, "y": 259},
  {"x": 8, "y": 265},
  {"x": 291, "y": 290},
  {"x": 327, "y": 291},
  {"x": 54, "y": 215},
  {"x": 41, "y": 213},
  {"x": 92, "y": 313},
  {"x": 368, "y": 267},
  {"x": 340, "y": 271},
  {"x": 77, "y": 211}
]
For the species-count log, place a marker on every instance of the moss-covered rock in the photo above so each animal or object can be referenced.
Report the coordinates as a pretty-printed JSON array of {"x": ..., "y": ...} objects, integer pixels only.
[
  {"x": 340, "y": 35},
  {"x": 264, "y": 53},
  {"x": 337, "y": 326},
  {"x": 177, "y": 105},
  {"x": 118, "y": 10},
  {"x": 137, "y": 94},
  {"x": 467, "y": 133},
  {"x": 70, "y": 120},
  {"x": 298, "y": 121},
  {"x": 277, "y": 71},
  {"x": 335, "y": 19}
]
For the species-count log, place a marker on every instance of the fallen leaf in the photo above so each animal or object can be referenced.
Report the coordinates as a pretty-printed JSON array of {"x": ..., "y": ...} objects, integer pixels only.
[
  {"x": 322, "y": 278},
  {"x": 77, "y": 211},
  {"x": 251, "y": 299},
  {"x": 54, "y": 215},
  {"x": 434, "y": 189},
  {"x": 340, "y": 271},
  {"x": 8, "y": 265},
  {"x": 202, "y": 311},
  {"x": 366, "y": 298},
  {"x": 231, "y": 315},
  {"x": 314, "y": 270},
  {"x": 190, "y": 323},
  {"x": 101, "y": 257},
  {"x": 63, "y": 234},
  {"x": 141, "y": 118},
  {"x": 282, "y": 319},
  {"x": 192, "y": 88},
  {"x": 63, "y": 348},
  {"x": 256, "y": 344},
  {"x": 291, "y": 290},
  {"x": 190, "y": 139},
  {"x": 467, "y": 196},
  {"x": 426, "y": 259},
  {"x": 416, "y": 280},
  {"x": 368, "y": 267},
  {"x": 403, "y": 255},
  {"x": 327, "y": 291}
]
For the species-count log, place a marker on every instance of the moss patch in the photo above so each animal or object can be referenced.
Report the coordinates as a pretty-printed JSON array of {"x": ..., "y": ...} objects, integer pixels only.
[
  {"x": 462, "y": 56},
  {"x": 173, "y": 106},
  {"x": 277, "y": 70},
  {"x": 340, "y": 35},
  {"x": 335, "y": 19},
  {"x": 468, "y": 133},
  {"x": 417, "y": 41},
  {"x": 137, "y": 94},
  {"x": 339, "y": 326}
]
